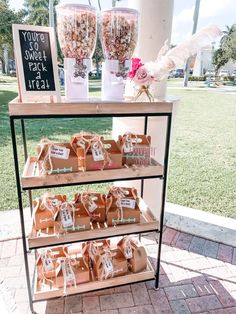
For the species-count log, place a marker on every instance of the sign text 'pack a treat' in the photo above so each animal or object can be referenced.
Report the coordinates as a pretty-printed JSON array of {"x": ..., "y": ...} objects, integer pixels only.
[{"x": 36, "y": 61}]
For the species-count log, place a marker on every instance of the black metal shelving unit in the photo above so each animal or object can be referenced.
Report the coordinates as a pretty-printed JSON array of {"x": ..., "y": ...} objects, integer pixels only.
[{"x": 94, "y": 109}]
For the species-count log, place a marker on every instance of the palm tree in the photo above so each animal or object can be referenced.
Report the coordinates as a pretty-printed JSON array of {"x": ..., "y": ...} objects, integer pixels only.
[
  {"x": 114, "y": 2},
  {"x": 228, "y": 33},
  {"x": 227, "y": 50},
  {"x": 38, "y": 11}
]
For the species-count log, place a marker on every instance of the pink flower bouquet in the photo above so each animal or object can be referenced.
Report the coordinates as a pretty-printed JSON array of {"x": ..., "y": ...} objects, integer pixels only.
[{"x": 143, "y": 75}]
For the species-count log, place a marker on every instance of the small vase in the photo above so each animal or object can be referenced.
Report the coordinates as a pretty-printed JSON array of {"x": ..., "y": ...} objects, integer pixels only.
[{"x": 143, "y": 94}]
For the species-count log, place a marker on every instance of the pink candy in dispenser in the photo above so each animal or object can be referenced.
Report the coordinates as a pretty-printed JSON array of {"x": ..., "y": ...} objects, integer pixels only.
[
  {"x": 119, "y": 34},
  {"x": 77, "y": 30}
]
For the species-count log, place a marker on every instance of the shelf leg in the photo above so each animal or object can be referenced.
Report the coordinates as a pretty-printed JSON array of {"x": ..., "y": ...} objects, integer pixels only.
[
  {"x": 167, "y": 146},
  {"x": 26, "y": 156},
  {"x": 142, "y": 181},
  {"x": 19, "y": 193}
]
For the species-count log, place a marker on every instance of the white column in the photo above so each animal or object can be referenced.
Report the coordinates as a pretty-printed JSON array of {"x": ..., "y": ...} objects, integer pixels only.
[{"x": 155, "y": 28}]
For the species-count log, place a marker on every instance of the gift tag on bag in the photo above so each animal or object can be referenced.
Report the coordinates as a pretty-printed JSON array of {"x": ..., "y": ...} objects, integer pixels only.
[
  {"x": 66, "y": 218},
  {"x": 97, "y": 152},
  {"x": 128, "y": 251},
  {"x": 107, "y": 264},
  {"x": 92, "y": 206},
  {"x": 55, "y": 202},
  {"x": 118, "y": 203},
  {"x": 47, "y": 262},
  {"x": 128, "y": 146},
  {"x": 68, "y": 272},
  {"x": 59, "y": 152},
  {"x": 81, "y": 143},
  {"x": 128, "y": 203}
]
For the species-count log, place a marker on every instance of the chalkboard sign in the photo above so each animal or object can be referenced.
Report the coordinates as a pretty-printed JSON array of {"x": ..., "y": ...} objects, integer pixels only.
[{"x": 36, "y": 60}]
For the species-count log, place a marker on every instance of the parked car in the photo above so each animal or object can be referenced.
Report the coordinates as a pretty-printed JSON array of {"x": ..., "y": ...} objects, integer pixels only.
[
  {"x": 233, "y": 73},
  {"x": 224, "y": 73},
  {"x": 12, "y": 72},
  {"x": 93, "y": 73},
  {"x": 208, "y": 73},
  {"x": 171, "y": 74},
  {"x": 179, "y": 73}
]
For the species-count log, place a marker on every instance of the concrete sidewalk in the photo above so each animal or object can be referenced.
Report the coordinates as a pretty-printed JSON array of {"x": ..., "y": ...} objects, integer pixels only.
[{"x": 197, "y": 276}]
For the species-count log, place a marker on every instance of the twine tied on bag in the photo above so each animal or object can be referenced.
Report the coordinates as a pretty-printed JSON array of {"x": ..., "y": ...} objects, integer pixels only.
[
  {"x": 99, "y": 252},
  {"x": 134, "y": 150},
  {"x": 71, "y": 208},
  {"x": 127, "y": 247},
  {"x": 49, "y": 202},
  {"x": 74, "y": 261},
  {"x": 45, "y": 146},
  {"x": 119, "y": 193},
  {"x": 44, "y": 255},
  {"x": 94, "y": 142},
  {"x": 129, "y": 140},
  {"x": 46, "y": 202},
  {"x": 89, "y": 205},
  {"x": 127, "y": 244},
  {"x": 108, "y": 270},
  {"x": 68, "y": 274}
]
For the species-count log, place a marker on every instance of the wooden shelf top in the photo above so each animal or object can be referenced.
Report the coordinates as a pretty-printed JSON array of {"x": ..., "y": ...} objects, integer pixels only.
[
  {"x": 93, "y": 107},
  {"x": 148, "y": 223},
  {"x": 44, "y": 292},
  {"x": 31, "y": 180}
]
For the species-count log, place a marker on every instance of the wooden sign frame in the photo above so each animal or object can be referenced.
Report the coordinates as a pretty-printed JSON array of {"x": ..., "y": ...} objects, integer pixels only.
[{"x": 23, "y": 93}]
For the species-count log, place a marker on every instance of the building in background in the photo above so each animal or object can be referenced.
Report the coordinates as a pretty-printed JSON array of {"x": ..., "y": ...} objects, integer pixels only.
[{"x": 203, "y": 63}]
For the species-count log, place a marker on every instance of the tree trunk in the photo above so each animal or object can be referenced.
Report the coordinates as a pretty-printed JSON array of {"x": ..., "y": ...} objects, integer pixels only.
[
  {"x": 5, "y": 57},
  {"x": 3, "y": 66},
  {"x": 97, "y": 69},
  {"x": 195, "y": 21}
]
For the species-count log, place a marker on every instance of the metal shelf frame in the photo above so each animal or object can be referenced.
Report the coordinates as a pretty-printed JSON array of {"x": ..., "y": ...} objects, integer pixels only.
[{"x": 132, "y": 113}]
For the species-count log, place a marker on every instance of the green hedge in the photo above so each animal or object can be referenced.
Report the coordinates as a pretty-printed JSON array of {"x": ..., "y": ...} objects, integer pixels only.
[
  {"x": 197, "y": 78},
  {"x": 215, "y": 78}
]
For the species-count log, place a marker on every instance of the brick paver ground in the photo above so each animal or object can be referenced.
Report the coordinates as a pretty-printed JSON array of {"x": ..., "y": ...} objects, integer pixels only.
[{"x": 197, "y": 276}]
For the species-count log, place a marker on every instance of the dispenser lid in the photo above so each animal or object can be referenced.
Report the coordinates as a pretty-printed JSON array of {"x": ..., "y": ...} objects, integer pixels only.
[
  {"x": 122, "y": 10},
  {"x": 75, "y": 6}
]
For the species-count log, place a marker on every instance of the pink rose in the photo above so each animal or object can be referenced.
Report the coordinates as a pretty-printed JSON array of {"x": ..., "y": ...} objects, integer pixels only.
[{"x": 142, "y": 77}]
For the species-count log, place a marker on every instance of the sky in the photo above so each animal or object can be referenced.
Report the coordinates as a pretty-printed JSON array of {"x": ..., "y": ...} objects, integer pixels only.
[{"x": 219, "y": 12}]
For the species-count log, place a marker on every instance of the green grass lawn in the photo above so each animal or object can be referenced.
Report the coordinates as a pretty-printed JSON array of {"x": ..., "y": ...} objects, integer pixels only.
[
  {"x": 203, "y": 156},
  {"x": 202, "y": 164}
]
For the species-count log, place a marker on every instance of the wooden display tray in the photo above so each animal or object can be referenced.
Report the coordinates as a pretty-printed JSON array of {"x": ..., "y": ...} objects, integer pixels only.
[
  {"x": 147, "y": 223},
  {"x": 94, "y": 106},
  {"x": 30, "y": 179},
  {"x": 147, "y": 274}
]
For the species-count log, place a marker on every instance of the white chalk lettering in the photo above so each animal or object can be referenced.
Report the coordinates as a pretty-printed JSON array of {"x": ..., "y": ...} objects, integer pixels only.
[
  {"x": 33, "y": 36},
  {"x": 35, "y": 56},
  {"x": 38, "y": 77},
  {"x": 33, "y": 46},
  {"x": 42, "y": 38},
  {"x": 37, "y": 66},
  {"x": 38, "y": 84},
  {"x": 24, "y": 34}
]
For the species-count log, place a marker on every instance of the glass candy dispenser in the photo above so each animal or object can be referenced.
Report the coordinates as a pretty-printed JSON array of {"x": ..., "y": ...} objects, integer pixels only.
[
  {"x": 119, "y": 34},
  {"x": 77, "y": 31}
]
